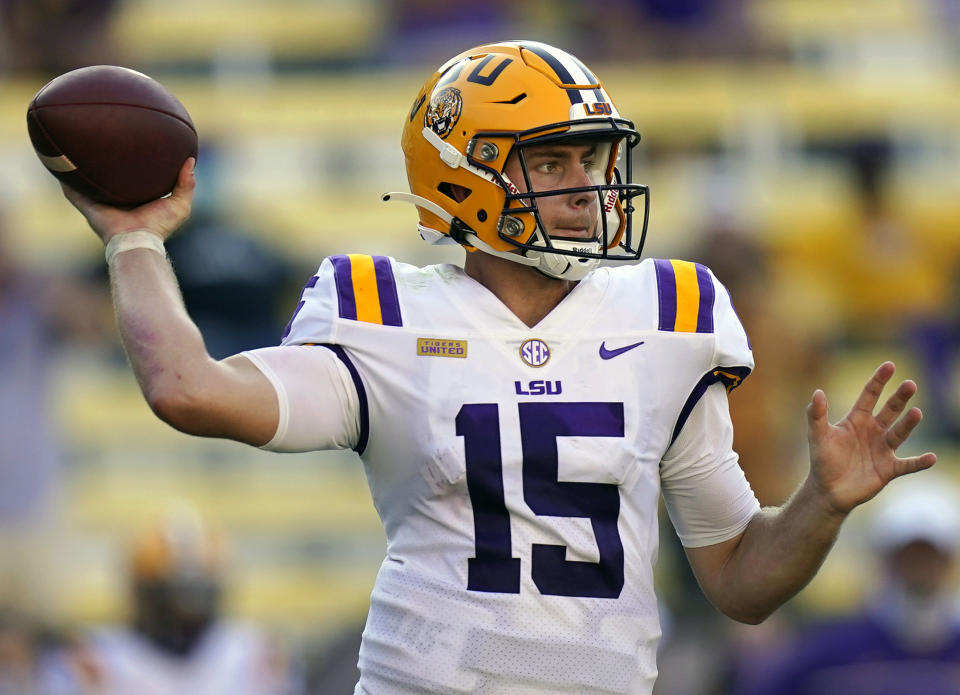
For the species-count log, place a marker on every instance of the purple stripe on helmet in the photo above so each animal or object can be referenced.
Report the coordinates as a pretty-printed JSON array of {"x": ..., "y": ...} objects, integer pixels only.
[
  {"x": 562, "y": 73},
  {"x": 705, "y": 311},
  {"x": 312, "y": 282},
  {"x": 667, "y": 292},
  {"x": 387, "y": 289},
  {"x": 343, "y": 276}
]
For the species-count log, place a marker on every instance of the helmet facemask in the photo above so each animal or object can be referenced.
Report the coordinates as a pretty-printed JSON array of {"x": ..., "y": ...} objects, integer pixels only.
[{"x": 602, "y": 207}]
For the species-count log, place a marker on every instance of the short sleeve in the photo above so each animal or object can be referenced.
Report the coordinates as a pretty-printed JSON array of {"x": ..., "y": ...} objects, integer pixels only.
[
  {"x": 704, "y": 489},
  {"x": 320, "y": 407}
]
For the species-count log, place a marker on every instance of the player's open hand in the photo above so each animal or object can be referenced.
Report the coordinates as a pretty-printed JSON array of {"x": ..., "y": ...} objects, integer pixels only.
[
  {"x": 162, "y": 217},
  {"x": 854, "y": 459}
]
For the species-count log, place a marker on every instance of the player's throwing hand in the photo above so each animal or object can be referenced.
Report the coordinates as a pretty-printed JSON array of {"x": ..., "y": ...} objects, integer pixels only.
[{"x": 161, "y": 217}]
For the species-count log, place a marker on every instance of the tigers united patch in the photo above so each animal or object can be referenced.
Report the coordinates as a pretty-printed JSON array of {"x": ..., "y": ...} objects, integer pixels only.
[
  {"x": 444, "y": 111},
  {"x": 441, "y": 347}
]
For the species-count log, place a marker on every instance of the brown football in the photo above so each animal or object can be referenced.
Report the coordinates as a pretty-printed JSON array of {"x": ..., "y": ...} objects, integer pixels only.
[{"x": 112, "y": 133}]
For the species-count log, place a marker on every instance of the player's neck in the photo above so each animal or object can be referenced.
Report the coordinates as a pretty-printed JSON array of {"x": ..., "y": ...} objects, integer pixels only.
[{"x": 530, "y": 295}]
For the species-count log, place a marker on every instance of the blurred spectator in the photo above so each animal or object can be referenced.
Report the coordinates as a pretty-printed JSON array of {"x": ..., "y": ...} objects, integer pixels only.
[
  {"x": 236, "y": 288},
  {"x": 177, "y": 640},
  {"x": 887, "y": 271},
  {"x": 54, "y": 36},
  {"x": 883, "y": 274},
  {"x": 36, "y": 315},
  {"x": 906, "y": 638}
]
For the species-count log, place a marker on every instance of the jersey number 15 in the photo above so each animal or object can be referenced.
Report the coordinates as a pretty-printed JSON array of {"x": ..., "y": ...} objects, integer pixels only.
[{"x": 494, "y": 568}]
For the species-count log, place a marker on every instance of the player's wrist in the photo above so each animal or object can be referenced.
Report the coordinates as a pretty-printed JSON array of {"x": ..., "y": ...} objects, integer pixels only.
[
  {"x": 135, "y": 239},
  {"x": 822, "y": 501}
]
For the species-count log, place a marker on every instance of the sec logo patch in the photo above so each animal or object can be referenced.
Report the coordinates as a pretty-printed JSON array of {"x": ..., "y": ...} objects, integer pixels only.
[{"x": 534, "y": 352}]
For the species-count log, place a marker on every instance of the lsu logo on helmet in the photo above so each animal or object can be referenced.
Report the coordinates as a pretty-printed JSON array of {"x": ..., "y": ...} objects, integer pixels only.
[{"x": 444, "y": 111}]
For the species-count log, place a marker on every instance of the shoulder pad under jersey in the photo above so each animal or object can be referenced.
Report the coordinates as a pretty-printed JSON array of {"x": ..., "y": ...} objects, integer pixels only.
[
  {"x": 353, "y": 287},
  {"x": 692, "y": 300}
]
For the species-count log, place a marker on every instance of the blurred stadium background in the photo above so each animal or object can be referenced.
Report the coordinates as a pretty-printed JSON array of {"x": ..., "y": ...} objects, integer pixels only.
[{"x": 809, "y": 150}]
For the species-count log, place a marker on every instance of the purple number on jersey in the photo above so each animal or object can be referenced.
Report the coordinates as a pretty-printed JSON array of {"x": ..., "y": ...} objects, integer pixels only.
[{"x": 493, "y": 568}]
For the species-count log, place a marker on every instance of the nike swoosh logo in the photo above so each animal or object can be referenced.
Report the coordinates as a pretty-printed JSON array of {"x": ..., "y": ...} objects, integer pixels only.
[{"x": 610, "y": 354}]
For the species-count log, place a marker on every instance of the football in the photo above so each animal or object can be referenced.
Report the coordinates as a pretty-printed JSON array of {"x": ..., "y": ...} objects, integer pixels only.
[{"x": 112, "y": 133}]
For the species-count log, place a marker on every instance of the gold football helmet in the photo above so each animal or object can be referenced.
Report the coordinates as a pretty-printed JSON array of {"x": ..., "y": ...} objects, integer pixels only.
[
  {"x": 177, "y": 566},
  {"x": 491, "y": 101}
]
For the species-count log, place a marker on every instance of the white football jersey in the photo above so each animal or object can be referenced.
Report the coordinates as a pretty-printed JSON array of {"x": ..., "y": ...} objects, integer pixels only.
[
  {"x": 517, "y": 470},
  {"x": 231, "y": 659}
]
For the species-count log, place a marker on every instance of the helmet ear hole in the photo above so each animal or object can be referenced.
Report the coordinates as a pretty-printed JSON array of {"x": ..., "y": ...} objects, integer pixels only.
[{"x": 454, "y": 191}]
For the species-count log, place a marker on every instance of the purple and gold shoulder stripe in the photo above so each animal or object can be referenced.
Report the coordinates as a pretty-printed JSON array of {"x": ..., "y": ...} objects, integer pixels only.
[
  {"x": 366, "y": 289},
  {"x": 686, "y": 293}
]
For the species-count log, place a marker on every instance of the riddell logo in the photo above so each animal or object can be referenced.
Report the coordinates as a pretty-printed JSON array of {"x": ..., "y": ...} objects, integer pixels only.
[
  {"x": 610, "y": 201},
  {"x": 513, "y": 189}
]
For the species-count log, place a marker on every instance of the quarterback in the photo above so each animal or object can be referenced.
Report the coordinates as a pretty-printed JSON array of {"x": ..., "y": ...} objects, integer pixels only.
[{"x": 518, "y": 417}]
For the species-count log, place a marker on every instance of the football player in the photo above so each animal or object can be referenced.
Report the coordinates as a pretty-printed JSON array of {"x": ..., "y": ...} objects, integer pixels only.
[
  {"x": 178, "y": 640},
  {"x": 517, "y": 417}
]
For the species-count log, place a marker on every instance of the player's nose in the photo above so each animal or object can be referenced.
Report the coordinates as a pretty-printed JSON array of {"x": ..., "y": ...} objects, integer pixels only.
[{"x": 582, "y": 198}]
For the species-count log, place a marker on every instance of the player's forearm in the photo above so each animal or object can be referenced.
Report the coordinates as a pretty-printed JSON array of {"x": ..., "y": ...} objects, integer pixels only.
[
  {"x": 163, "y": 344},
  {"x": 779, "y": 553}
]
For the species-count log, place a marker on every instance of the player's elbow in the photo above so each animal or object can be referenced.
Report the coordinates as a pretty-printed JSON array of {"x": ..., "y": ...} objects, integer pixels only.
[
  {"x": 750, "y": 607},
  {"x": 178, "y": 405}
]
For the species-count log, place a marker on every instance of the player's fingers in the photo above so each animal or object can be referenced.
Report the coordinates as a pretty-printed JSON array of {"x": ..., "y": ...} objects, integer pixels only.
[
  {"x": 896, "y": 403},
  {"x": 817, "y": 410},
  {"x": 76, "y": 198},
  {"x": 898, "y": 434},
  {"x": 913, "y": 464},
  {"x": 185, "y": 178},
  {"x": 181, "y": 199},
  {"x": 868, "y": 398}
]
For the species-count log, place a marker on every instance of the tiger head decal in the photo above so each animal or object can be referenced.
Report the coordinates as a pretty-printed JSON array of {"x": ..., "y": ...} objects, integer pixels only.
[{"x": 444, "y": 111}]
